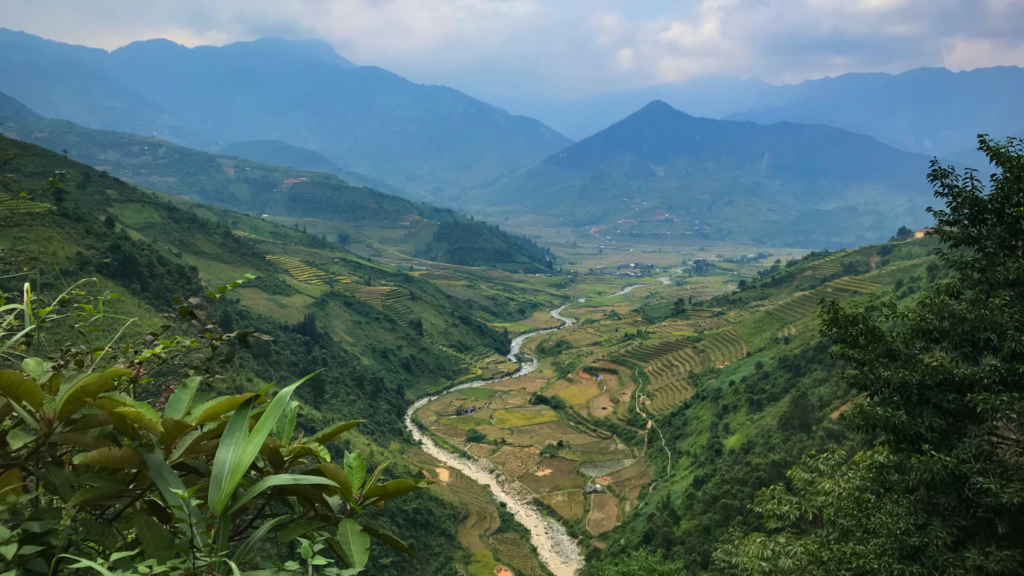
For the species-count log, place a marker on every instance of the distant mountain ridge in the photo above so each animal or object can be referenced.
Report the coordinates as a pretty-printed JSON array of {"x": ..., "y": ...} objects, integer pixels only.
[
  {"x": 928, "y": 110},
  {"x": 663, "y": 171},
  {"x": 433, "y": 142},
  {"x": 351, "y": 213}
]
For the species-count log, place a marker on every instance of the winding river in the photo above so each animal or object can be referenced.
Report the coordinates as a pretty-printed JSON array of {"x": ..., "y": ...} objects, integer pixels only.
[{"x": 556, "y": 549}]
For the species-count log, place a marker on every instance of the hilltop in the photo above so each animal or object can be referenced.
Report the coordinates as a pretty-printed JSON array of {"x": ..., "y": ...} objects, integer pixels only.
[
  {"x": 663, "y": 171},
  {"x": 348, "y": 214},
  {"x": 431, "y": 141}
]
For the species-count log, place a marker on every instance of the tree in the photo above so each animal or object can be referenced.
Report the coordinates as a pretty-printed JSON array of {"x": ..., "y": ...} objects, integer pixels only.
[
  {"x": 476, "y": 436},
  {"x": 942, "y": 491},
  {"x": 902, "y": 234}
]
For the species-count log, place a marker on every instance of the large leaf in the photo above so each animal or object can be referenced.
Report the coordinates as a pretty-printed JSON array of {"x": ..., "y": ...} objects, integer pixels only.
[
  {"x": 330, "y": 434},
  {"x": 241, "y": 460},
  {"x": 354, "y": 543},
  {"x": 216, "y": 408},
  {"x": 277, "y": 480},
  {"x": 15, "y": 386},
  {"x": 74, "y": 398},
  {"x": 112, "y": 457},
  {"x": 172, "y": 431},
  {"x": 337, "y": 474},
  {"x": 83, "y": 563},
  {"x": 286, "y": 426},
  {"x": 386, "y": 537},
  {"x": 394, "y": 489},
  {"x": 166, "y": 480},
  {"x": 228, "y": 451},
  {"x": 248, "y": 549},
  {"x": 355, "y": 469},
  {"x": 97, "y": 494},
  {"x": 180, "y": 401},
  {"x": 157, "y": 541}
]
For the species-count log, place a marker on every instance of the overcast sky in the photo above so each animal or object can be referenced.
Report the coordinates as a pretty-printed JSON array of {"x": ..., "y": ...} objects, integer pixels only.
[{"x": 504, "y": 49}]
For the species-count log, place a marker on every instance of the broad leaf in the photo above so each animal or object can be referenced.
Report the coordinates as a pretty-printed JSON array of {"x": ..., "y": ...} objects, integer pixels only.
[
  {"x": 17, "y": 387},
  {"x": 166, "y": 480},
  {"x": 157, "y": 541},
  {"x": 354, "y": 543},
  {"x": 96, "y": 494},
  {"x": 337, "y": 474},
  {"x": 73, "y": 399},
  {"x": 355, "y": 469},
  {"x": 332, "y": 433},
  {"x": 180, "y": 401},
  {"x": 387, "y": 538},
  {"x": 172, "y": 431},
  {"x": 112, "y": 457},
  {"x": 82, "y": 440},
  {"x": 209, "y": 411},
  {"x": 394, "y": 489},
  {"x": 228, "y": 451}
]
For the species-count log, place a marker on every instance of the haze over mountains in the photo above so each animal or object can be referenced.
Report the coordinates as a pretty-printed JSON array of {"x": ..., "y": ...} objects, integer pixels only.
[
  {"x": 663, "y": 171},
  {"x": 928, "y": 110},
  {"x": 432, "y": 141}
]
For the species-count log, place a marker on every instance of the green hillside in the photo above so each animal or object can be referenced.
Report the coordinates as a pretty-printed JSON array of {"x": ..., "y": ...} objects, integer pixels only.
[
  {"x": 661, "y": 171},
  {"x": 346, "y": 213},
  {"x": 377, "y": 335}
]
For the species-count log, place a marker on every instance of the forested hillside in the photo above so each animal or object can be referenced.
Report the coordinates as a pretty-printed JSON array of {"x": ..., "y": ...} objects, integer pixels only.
[
  {"x": 355, "y": 213},
  {"x": 374, "y": 335}
]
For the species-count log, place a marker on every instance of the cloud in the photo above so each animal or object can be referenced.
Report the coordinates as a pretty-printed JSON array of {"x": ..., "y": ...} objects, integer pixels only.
[{"x": 569, "y": 48}]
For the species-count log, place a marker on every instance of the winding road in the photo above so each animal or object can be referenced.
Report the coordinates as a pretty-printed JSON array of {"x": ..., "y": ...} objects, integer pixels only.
[{"x": 555, "y": 547}]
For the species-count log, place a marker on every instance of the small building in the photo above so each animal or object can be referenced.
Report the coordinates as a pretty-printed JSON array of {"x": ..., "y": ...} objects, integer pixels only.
[
  {"x": 593, "y": 489},
  {"x": 923, "y": 232}
]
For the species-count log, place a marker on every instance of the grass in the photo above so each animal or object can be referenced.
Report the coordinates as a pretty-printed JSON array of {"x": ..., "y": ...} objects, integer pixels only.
[
  {"x": 478, "y": 393},
  {"x": 516, "y": 418},
  {"x": 579, "y": 394}
]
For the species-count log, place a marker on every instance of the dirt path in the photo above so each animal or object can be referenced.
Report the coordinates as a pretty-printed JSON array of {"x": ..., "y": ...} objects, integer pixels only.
[{"x": 651, "y": 424}]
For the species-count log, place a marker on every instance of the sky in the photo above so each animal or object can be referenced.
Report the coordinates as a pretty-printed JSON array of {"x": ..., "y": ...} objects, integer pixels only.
[{"x": 565, "y": 49}]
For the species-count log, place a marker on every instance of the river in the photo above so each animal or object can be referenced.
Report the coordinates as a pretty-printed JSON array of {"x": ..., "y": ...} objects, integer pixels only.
[
  {"x": 555, "y": 547},
  {"x": 625, "y": 290}
]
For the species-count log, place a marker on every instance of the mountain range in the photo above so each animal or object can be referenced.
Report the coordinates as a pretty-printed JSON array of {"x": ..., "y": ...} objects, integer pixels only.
[
  {"x": 433, "y": 142},
  {"x": 928, "y": 110},
  {"x": 663, "y": 171},
  {"x": 352, "y": 214}
]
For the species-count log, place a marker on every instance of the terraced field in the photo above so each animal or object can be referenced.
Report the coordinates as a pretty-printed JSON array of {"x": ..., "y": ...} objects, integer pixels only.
[
  {"x": 301, "y": 272},
  {"x": 668, "y": 379},
  {"x": 242, "y": 234},
  {"x": 803, "y": 304},
  {"x": 650, "y": 351},
  {"x": 378, "y": 295},
  {"x": 725, "y": 348}
]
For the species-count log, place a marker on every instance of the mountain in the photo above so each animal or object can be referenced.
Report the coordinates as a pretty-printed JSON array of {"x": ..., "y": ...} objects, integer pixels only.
[
  {"x": 663, "y": 171},
  {"x": 431, "y": 141},
  {"x": 928, "y": 110},
  {"x": 348, "y": 213}
]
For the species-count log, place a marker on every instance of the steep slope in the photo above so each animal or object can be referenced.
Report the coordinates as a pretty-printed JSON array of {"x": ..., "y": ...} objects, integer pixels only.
[
  {"x": 927, "y": 110},
  {"x": 432, "y": 141},
  {"x": 353, "y": 212},
  {"x": 661, "y": 170}
]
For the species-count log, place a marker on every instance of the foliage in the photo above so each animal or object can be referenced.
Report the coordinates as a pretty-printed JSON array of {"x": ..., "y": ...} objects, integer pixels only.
[
  {"x": 115, "y": 451},
  {"x": 942, "y": 491},
  {"x": 474, "y": 435}
]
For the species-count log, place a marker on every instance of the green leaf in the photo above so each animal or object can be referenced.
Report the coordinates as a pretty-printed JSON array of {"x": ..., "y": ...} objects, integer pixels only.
[
  {"x": 82, "y": 440},
  {"x": 181, "y": 400},
  {"x": 93, "y": 495},
  {"x": 248, "y": 548},
  {"x": 355, "y": 469},
  {"x": 17, "y": 387},
  {"x": 112, "y": 457},
  {"x": 277, "y": 480},
  {"x": 73, "y": 399},
  {"x": 325, "y": 436},
  {"x": 34, "y": 367},
  {"x": 387, "y": 538},
  {"x": 242, "y": 457},
  {"x": 166, "y": 480},
  {"x": 337, "y": 474},
  {"x": 286, "y": 426},
  {"x": 83, "y": 563},
  {"x": 228, "y": 451},
  {"x": 17, "y": 438},
  {"x": 157, "y": 541},
  {"x": 354, "y": 543},
  {"x": 394, "y": 489},
  {"x": 216, "y": 408}
]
